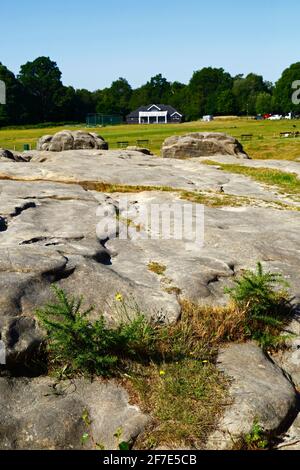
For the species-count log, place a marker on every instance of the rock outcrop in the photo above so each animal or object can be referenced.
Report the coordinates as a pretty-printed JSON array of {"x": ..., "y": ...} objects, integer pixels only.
[
  {"x": 51, "y": 230},
  {"x": 7, "y": 155},
  {"x": 202, "y": 144},
  {"x": 71, "y": 140},
  {"x": 42, "y": 414},
  {"x": 260, "y": 393},
  {"x": 143, "y": 150}
]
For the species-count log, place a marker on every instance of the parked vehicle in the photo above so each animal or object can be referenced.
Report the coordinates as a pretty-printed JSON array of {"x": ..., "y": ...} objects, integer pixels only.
[
  {"x": 275, "y": 117},
  {"x": 208, "y": 118}
]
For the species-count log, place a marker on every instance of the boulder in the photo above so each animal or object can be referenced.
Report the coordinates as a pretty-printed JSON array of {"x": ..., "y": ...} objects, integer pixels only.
[
  {"x": 42, "y": 414},
  {"x": 260, "y": 392},
  {"x": 68, "y": 140},
  {"x": 202, "y": 144}
]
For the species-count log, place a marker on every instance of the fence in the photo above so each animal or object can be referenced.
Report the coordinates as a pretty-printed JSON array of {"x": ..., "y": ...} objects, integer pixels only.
[{"x": 95, "y": 120}]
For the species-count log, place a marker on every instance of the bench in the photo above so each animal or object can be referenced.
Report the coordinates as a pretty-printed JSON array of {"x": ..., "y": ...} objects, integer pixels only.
[
  {"x": 246, "y": 136},
  {"x": 123, "y": 144},
  {"x": 142, "y": 143}
]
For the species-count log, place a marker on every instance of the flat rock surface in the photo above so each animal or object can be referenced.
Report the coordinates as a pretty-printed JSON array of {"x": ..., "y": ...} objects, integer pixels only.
[
  {"x": 41, "y": 414},
  {"x": 49, "y": 232},
  {"x": 54, "y": 229}
]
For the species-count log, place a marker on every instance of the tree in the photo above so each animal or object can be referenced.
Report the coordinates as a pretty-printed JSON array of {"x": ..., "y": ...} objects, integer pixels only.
[
  {"x": 114, "y": 100},
  {"x": 283, "y": 93},
  {"x": 159, "y": 89},
  {"x": 263, "y": 103},
  {"x": 85, "y": 103},
  {"x": 225, "y": 103},
  {"x": 42, "y": 80},
  {"x": 13, "y": 111},
  {"x": 177, "y": 96},
  {"x": 205, "y": 87},
  {"x": 246, "y": 91}
]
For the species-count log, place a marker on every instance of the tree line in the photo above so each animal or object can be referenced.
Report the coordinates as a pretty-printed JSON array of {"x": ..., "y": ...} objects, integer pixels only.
[{"x": 37, "y": 95}]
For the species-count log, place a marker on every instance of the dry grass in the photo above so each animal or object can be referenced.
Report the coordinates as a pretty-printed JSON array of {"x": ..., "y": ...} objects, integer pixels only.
[
  {"x": 183, "y": 391},
  {"x": 157, "y": 268},
  {"x": 185, "y": 399}
]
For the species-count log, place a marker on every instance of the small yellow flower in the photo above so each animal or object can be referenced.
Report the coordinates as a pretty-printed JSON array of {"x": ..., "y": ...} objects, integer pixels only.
[
  {"x": 119, "y": 297},
  {"x": 162, "y": 373},
  {"x": 205, "y": 362}
]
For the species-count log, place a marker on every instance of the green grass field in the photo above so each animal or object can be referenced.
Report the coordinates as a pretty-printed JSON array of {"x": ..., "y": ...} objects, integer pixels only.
[{"x": 265, "y": 144}]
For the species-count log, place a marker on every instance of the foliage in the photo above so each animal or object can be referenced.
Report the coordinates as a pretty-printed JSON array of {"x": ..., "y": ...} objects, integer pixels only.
[
  {"x": 80, "y": 345},
  {"x": 283, "y": 90},
  {"x": 246, "y": 91},
  {"x": 169, "y": 368},
  {"x": 263, "y": 298},
  {"x": 255, "y": 440},
  {"x": 157, "y": 268},
  {"x": 37, "y": 94}
]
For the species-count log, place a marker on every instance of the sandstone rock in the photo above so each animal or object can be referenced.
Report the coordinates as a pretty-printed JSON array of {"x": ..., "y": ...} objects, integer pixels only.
[
  {"x": 6, "y": 155},
  {"x": 68, "y": 140},
  {"x": 49, "y": 233},
  {"x": 44, "y": 142},
  {"x": 291, "y": 439},
  {"x": 260, "y": 392},
  {"x": 41, "y": 414},
  {"x": 289, "y": 358},
  {"x": 143, "y": 150},
  {"x": 201, "y": 145}
]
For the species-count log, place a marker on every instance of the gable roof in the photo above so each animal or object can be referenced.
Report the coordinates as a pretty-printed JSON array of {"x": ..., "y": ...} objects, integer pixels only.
[{"x": 159, "y": 107}]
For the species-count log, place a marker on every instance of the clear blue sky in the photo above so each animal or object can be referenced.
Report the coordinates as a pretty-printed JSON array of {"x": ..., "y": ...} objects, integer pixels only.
[{"x": 96, "y": 41}]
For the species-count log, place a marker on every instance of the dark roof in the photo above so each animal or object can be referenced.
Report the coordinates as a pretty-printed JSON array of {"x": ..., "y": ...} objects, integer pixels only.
[{"x": 162, "y": 107}]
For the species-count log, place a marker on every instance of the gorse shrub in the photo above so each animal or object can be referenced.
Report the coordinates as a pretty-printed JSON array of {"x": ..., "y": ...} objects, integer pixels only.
[
  {"x": 259, "y": 310},
  {"x": 81, "y": 345},
  {"x": 258, "y": 291},
  {"x": 262, "y": 299}
]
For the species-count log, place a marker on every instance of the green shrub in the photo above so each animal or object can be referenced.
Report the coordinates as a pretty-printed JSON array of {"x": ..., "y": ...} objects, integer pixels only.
[
  {"x": 263, "y": 299},
  {"x": 80, "y": 345}
]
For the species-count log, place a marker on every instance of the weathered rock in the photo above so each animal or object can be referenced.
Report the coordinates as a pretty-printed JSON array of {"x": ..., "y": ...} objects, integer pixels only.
[
  {"x": 291, "y": 439},
  {"x": 289, "y": 358},
  {"x": 202, "y": 144},
  {"x": 260, "y": 392},
  {"x": 68, "y": 140},
  {"x": 8, "y": 155},
  {"x": 41, "y": 414},
  {"x": 44, "y": 142},
  {"x": 49, "y": 232},
  {"x": 143, "y": 150}
]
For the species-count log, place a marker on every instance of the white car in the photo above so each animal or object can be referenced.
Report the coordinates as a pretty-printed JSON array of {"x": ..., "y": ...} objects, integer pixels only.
[{"x": 275, "y": 117}]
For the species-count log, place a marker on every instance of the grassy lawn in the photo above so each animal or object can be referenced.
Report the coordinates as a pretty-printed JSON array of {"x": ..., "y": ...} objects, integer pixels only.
[{"x": 266, "y": 142}]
